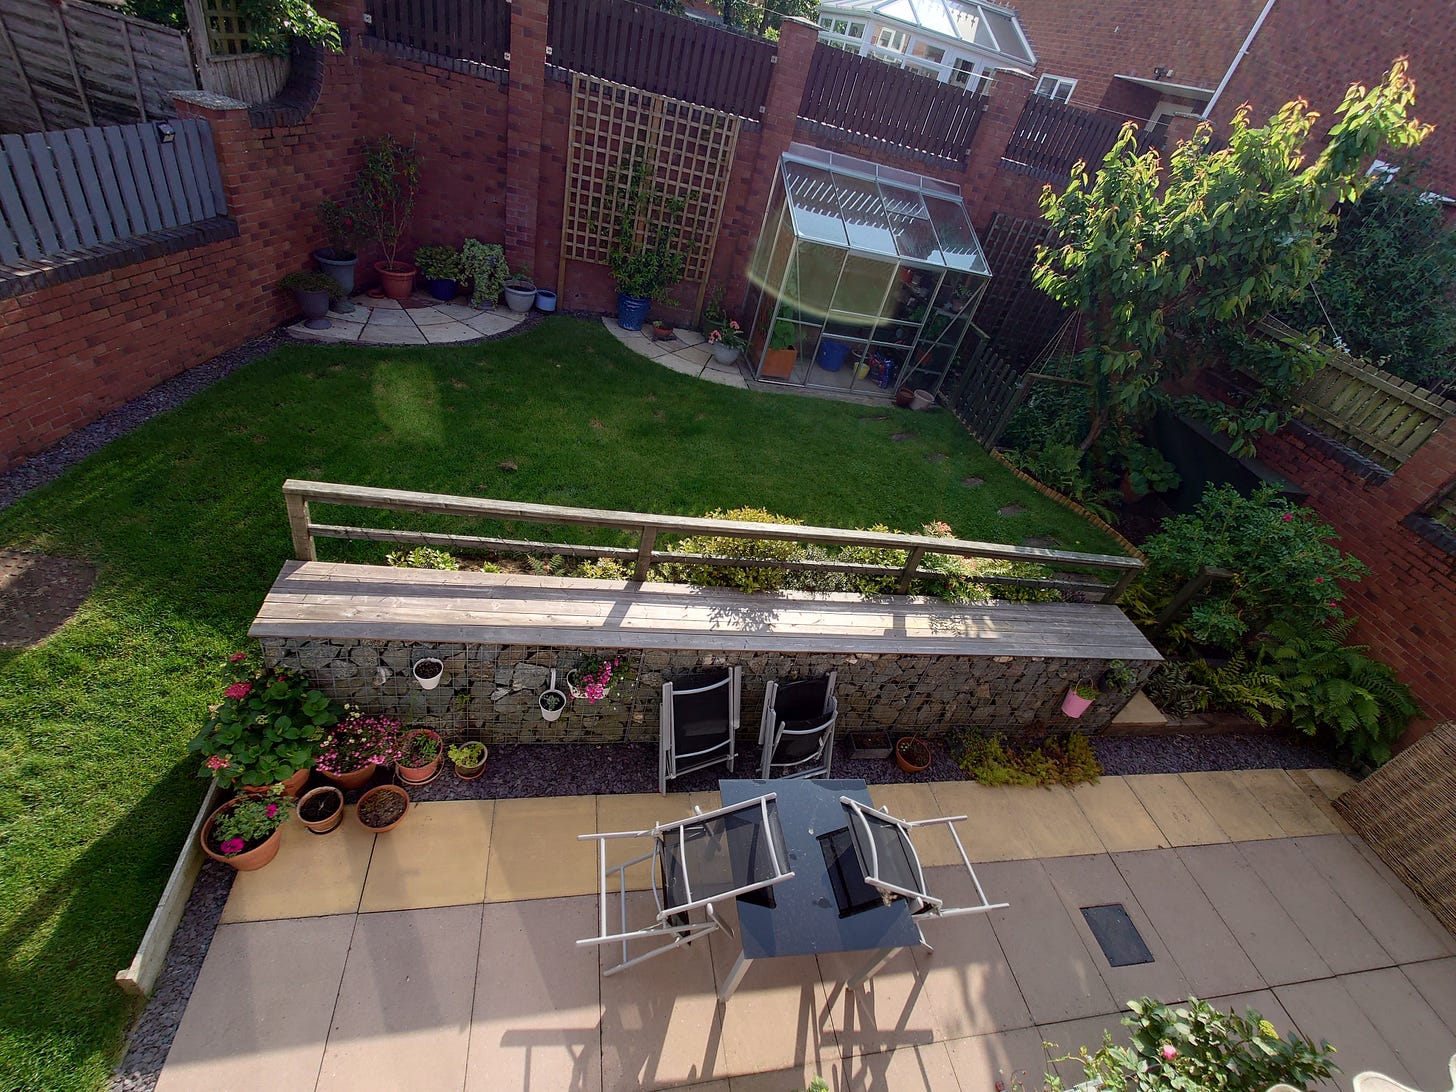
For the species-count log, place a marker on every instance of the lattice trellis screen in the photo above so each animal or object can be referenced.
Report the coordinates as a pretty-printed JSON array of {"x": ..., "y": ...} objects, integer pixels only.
[
  {"x": 688, "y": 148},
  {"x": 227, "y": 29}
]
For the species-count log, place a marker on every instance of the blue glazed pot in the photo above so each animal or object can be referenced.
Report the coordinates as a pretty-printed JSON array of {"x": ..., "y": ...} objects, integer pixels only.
[
  {"x": 442, "y": 288},
  {"x": 631, "y": 311}
]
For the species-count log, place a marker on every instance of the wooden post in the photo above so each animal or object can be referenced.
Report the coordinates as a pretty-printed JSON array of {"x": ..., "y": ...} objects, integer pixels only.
[
  {"x": 298, "y": 527},
  {"x": 1115, "y": 592},
  {"x": 644, "y": 553},
  {"x": 1200, "y": 580},
  {"x": 908, "y": 572}
]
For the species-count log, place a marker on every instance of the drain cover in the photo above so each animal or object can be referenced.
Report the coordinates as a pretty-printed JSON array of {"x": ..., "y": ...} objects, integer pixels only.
[{"x": 1121, "y": 943}]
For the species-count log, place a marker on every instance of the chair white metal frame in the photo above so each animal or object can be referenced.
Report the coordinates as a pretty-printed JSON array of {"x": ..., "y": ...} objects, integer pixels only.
[
  {"x": 1371, "y": 1081},
  {"x": 699, "y": 723},
  {"x": 797, "y": 728},
  {"x": 706, "y": 858},
  {"x": 890, "y": 863}
]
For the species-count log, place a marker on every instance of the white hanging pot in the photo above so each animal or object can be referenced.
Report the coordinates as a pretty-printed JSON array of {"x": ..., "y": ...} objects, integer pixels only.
[
  {"x": 552, "y": 701},
  {"x": 428, "y": 672}
]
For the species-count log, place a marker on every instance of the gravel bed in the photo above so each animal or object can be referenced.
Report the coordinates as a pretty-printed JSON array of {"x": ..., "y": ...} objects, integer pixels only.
[{"x": 1192, "y": 754}]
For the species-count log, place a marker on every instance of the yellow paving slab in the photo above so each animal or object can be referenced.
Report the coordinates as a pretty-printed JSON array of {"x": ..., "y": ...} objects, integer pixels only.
[
  {"x": 992, "y": 832},
  {"x": 313, "y": 875},
  {"x": 1228, "y": 798},
  {"x": 911, "y": 802},
  {"x": 1295, "y": 812},
  {"x": 638, "y": 811},
  {"x": 534, "y": 851},
  {"x": 1179, "y": 815},
  {"x": 1322, "y": 799},
  {"x": 1052, "y": 821},
  {"x": 436, "y": 857},
  {"x": 1332, "y": 783},
  {"x": 1118, "y": 816}
]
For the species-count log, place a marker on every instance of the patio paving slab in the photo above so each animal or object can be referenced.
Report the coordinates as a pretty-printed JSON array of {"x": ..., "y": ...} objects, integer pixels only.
[
  {"x": 387, "y": 317},
  {"x": 312, "y": 876},
  {"x": 1207, "y": 953},
  {"x": 404, "y": 1002},
  {"x": 537, "y": 1017},
  {"x": 444, "y": 333},
  {"x": 1179, "y": 815},
  {"x": 339, "y": 331},
  {"x": 534, "y": 851},
  {"x": 391, "y": 335},
  {"x": 260, "y": 1011},
  {"x": 637, "y": 811},
  {"x": 992, "y": 834},
  {"x": 1406, "y": 895},
  {"x": 1324, "y": 1009},
  {"x": 1053, "y": 823},
  {"x": 490, "y": 323},
  {"x": 1287, "y": 803},
  {"x": 1056, "y": 973},
  {"x": 436, "y": 857},
  {"x": 915, "y": 1069},
  {"x": 1333, "y": 783},
  {"x": 911, "y": 802},
  {"x": 1235, "y": 808},
  {"x": 1436, "y": 981},
  {"x": 892, "y": 1011},
  {"x": 1400, "y": 1014},
  {"x": 981, "y": 1060},
  {"x": 1272, "y": 940},
  {"x": 1322, "y": 799},
  {"x": 1117, "y": 816},
  {"x": 1340, "y": 938},
  {"x": 1068, "y": 1036}
]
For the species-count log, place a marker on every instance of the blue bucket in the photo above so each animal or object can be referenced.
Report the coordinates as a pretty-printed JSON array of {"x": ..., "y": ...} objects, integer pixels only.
[
  {"x": 631, "y": 311},
  {"x": 832, "y": 354}
]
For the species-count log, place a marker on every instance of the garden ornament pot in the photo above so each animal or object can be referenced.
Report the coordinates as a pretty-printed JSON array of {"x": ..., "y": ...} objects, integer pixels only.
[
  {"x": 397, "y": 280},
  {"x": 428, "y": 672},
  {"x": 520, "y": 296},
  {"x": 443, "y": 289},
  {"x": 327, "y": 803},
  {"x": 342, "y": 270},
  {"x": 631, "y": 311},
  {"x": 249, "y": 860},
  {"x": 418, "y": 775},
  {"x": 376, "y": 807},
  {"x": 545, "y": 300},
  {"x": 725, "y": 354},
  {"x": 1074, "y": 705},
  {"x": 315, "y": 308}
]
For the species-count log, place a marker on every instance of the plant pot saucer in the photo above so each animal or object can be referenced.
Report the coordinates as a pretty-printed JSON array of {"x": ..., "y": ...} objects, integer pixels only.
[
  {"x": 407, "y": 785},
  {"x": 343, "y": 306}
]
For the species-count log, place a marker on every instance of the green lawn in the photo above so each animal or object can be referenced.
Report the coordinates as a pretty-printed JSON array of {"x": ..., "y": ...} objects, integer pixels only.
[{"x": 185, "y": 522}]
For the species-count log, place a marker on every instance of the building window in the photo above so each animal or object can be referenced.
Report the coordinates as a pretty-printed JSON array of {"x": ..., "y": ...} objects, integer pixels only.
[
  {"x": 891, "y": 39},
  {"x": 842, "y": 33},
  {"x": 1056, "y": 88},
  {"x": 933, "y": 54}
]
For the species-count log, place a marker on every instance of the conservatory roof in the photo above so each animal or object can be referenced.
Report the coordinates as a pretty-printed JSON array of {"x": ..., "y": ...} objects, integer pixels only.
[
  {"x": 870, "y": 209},
  {"x": 988, "y": 28}
]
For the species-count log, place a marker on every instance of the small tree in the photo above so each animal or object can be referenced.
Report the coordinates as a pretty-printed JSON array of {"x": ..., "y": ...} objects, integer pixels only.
[
  {"x": 385, "y": 191},
  {"x": 1154, "y": 256}
]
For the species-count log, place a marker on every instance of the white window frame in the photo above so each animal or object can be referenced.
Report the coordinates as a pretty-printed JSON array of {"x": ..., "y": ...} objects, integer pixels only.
[{"x": 1056, "y": 88}]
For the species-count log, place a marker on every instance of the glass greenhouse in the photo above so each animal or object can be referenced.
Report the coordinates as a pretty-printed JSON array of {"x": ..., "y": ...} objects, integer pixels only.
[{"x": 865, "y": 278}]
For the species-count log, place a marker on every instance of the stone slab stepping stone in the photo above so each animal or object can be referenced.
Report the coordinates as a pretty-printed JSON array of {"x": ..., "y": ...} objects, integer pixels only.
[
  {"x": 936, "y": 457},
  {"x": 901, "y": 437},
  {"x": 1011, "y": 510},
  {"x": 973, "y": 482}
]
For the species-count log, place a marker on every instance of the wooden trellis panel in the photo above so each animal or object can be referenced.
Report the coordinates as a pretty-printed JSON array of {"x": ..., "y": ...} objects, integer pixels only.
[{"x": 688, "y": 149}]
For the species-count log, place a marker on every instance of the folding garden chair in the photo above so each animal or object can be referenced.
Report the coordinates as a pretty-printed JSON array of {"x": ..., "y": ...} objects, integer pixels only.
[
  {"x": 890, "y": 864},
  {"x": 699, "y": 723},
  {"x": 797, "y": 730},
  {"x": 707, "y": 857}
]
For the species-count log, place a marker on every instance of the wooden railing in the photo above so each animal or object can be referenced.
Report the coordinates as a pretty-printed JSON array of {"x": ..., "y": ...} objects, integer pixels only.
[
  {"x": 478, "y": 31},
  {"x": 1051, "y": 136},
  {"x": 649, "y": 527},
  {"x": 666, "y": 54},
  {"x": 871, "y": 99},
  {"x": 76, "y": 188}
]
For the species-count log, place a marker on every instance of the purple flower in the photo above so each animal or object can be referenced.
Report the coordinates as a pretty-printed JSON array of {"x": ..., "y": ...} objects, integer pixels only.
[
  {"x": 271, "y": 810},
  {"x": 1169, "y": 1052},
  {"x": 1287, "y": 516}
]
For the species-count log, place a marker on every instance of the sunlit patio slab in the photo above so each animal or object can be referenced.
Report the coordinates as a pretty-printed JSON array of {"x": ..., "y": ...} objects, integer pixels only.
[
  {"x": 1054, "y": 824},
  {"x": 1234, "y": 805},
  {"x": 1295, "y": 813},
  {"x": 637, "y": 811},
  {"x": 1325, "y": 1009},
  {"x": 1183, "y": 820},
  {"x": 992, "y": 833},
  {"x": 312, "y": 876},
  {"x": 1117, "y": 816},
  {"x": 436, "y": 857},
  {"x": 911, "y": 802},
  {"x": 981, "y": 1060},
  {"x": 534, "y": 851}
]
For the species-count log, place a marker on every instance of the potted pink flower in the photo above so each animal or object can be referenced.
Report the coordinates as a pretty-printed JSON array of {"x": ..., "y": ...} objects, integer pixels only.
[
  {"x": 595, "y": 679},
  {"x": 727, "y": 341},
  {"x": 246, "y": 831},
  {"x": 356, "y": 747}
]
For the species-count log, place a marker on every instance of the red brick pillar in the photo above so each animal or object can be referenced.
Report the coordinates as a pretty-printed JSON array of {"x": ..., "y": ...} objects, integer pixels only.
[
  {"x": 985, "y": 186},
  {"x": 523, "y": 129}
]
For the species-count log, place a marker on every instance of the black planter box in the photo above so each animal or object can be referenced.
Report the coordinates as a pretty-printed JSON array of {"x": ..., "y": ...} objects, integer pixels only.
[{"x": 870, "y": 744}]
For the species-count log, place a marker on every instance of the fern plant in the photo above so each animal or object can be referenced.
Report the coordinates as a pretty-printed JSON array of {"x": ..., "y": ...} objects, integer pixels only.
[{"x": 1244, "y": 687}]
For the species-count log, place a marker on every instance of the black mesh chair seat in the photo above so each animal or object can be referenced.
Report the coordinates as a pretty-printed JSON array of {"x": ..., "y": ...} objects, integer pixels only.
[
  {"x": 797, "y": 730},
  {"x": 884, "y": 849},
  {"x": 699, "y": 723}
]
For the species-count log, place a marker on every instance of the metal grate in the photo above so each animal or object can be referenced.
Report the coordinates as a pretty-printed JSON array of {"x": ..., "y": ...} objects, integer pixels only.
[{"x": 688, "y": 151}]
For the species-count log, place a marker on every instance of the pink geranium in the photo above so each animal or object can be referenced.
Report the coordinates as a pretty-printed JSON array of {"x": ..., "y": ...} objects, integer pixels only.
[
  {"x": 217, "y": 762},
  {"x": 271, "y": 810},
  {"x": 237, "y": 657},
  {"x": 231, "y": 846},
  {"x": 239, "y": 690},
  {"x": 1169, "y": 1052}
]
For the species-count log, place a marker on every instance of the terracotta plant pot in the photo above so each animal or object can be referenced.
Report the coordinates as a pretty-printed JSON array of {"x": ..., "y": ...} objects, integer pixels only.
[
  {"x": 470, "y": 773},
  {"x": 397, "y": 280},
  {"x": 779, "y": 363},
  {"x": 662, "y": 332},
  {"x": 250, "y": 859},
  {"x": 377, "y": 804},
  {"x": 903, "y": 397},
  {"x": 356, "y": 779},
  {"x": 328, "y": 802},
  {"x": 418, "y": 775},
  {"x": 1075, "y": 706},
  {"x": 292, "y": 785},
  {"x": 912, "y": 754}
]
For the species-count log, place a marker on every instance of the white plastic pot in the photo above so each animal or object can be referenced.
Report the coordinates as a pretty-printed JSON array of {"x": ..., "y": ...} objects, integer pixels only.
[
  {"x": 429, "y": 684},
  {"x": 551, "y": 714}
]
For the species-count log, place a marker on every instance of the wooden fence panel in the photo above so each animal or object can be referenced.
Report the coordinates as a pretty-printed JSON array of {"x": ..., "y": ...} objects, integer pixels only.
[
  {"x": 470, "y": 30},
  {"x": 1051, "y": 136},
  {"x": 61, "y": 191},
  {"x": 65, "y": 65},
  {"x": 984, "y": 392},
  {"x": 872, "y": 99},
  {"x": 641, "y": 47}
]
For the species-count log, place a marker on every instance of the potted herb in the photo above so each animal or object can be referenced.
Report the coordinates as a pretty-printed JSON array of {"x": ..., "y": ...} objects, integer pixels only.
[
  {"x": 245, "y": 832},
  {"x": 1117, "y": 678},
  {"x": 552, "y": 702},
  {"x": 469, "y": 759},
  {"x": 783, "y": 352},
  {"x": 912, "y": 754},
  {"x": 662, "y": 330},
  {"x": 594, "y": 679},
  {"x": 268, "y": 729},
  {"x": 341, "y": 257},
  {"x": 484, "y": 265},
  {"x": 428, "y": 671},
  {"x": 520, "y": 291},
  {"x": 382, "y": 808},
  {"x": 441, "y": 268},
  {"x": 646, "y": 256},
  {"x": 385, "y": 202},
  {"x": 356, "y": 747},
  {"x": 312, "y": 292},
  {"x": 1079, "y": 698},
  {"x": 420, "y": 754},
  {"x": 726, "y": 341},
  {"x": 321, "y": 810}
]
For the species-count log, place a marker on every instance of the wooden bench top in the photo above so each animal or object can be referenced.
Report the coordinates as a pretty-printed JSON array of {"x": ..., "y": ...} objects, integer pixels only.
[{"x": 322, "y": 599}]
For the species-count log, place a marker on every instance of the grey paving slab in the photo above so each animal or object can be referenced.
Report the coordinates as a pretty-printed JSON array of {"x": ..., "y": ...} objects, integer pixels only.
[
  {"x": 446, "y": 332},
  {"x": 492, "y": 322},
  {"x": 1325, "y": 1010},
  {"x": 1202, "y": 945},
  {"x": 404, "y": 1004},
  {"x": 1409, "y": 1026},
  {"x": 383, "y": 317},
  {"x": 1410, "y": 898},
  {"x": 980, "y": 1061},
  {"x": 1261, "y": 1001},
  {"x": 1096, "y": 881},
  {"x": 1069, "y": 1036},
  {"x": 1407, "y": 935},
  {"x": 915, "y": 1069},
  {"x": 695, "y": 354},
  {"x": 391, "y": 335},
  {"x": 378, "y": 303},
  {"x": 688, "y": 337},
  {"x": 1436, "y": 980},
  {"x": 1339, "y": 937},
  {"x": 892, "y": 1011},
  {"x": 431, "y": 316},
  {"x": 1056, "y": 973},
  {"x": 1274, "y": 943},
  {"x": 724, "y": 379},
  {"x": 460, "y": 312},
  {"x": 537, "y": 1016},
  {"x": 259, "y": 1014},
  {"x": 337, "y": 332},
  {"x": 777, "y": 1018}
]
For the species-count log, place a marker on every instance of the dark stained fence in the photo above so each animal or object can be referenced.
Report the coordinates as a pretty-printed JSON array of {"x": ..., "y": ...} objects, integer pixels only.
[
  {"x": 641, "y": 47},
  {"x": 1051, "y": 136},
  {"x": 983, "y": 391},
  {"x": 1019, "y": 317},
  {"x": 478, "y": 31},
  {"x": 77, "y": 188},
  {"x": 872, "y": 99}
]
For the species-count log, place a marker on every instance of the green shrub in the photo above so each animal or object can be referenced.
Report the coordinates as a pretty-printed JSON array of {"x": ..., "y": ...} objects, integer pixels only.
[
  {"x": 757, "y": 578},
  {"x": 423, "y": 557},
  {"x": 1058, "y": 760},
  {"x": 1174, "y": 691},
  {"x": 1242, "y": 686},
  {"x": 870, "y": 583},
  {"x": 602, "y": 568},
  {"x": 439, "y": 263}
]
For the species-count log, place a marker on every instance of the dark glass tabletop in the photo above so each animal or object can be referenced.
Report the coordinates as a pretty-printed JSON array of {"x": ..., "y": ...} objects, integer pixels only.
[{"x": 827, "y": 906}]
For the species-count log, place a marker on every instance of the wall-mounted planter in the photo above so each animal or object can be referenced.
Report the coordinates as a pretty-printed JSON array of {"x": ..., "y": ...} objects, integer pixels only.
[
  {"x": 428, "y": 672},
  {"x": 552, "y": 701},
  {"x": 1074, "y": 705}
]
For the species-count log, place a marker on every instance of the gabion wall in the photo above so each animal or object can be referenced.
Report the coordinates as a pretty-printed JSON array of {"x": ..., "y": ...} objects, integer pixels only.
[{"x": 491, "y": 691}]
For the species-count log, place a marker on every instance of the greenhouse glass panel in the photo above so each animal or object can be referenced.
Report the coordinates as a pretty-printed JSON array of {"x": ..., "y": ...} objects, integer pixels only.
[
  {"x": 814, "y": 203},
  {"x": 863, "y": 210}
]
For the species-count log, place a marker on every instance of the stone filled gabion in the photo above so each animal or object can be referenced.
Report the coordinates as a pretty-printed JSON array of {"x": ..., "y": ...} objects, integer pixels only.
[{"x": 492, "y": 690}]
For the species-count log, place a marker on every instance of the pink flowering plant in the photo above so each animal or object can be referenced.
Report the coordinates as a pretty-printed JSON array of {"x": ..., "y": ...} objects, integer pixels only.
[
  {"x": 344, "y": 227},
  {"x": 250, "y": 821},
  {"x": 270, "y": 724},
  {"x": 729, "y": 335},
  {"x": 357, "y": 741},
  {"x": 595, "y": 679}
]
